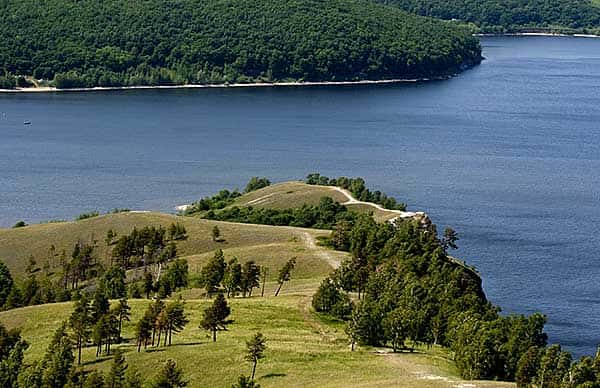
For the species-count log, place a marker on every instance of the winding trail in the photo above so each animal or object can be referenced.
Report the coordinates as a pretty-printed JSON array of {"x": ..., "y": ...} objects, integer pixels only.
[
  {"x": 327, "y": 256},
  {"x": 353, "y": 201}
]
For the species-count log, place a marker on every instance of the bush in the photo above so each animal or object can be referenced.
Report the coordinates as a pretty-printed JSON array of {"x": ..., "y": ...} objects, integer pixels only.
[
  {"x": 256, "y": 183},
  {"x": 85, "y": 216},
  {"x": 329, "y": 299},
  {"x": 20, "y": 224}
]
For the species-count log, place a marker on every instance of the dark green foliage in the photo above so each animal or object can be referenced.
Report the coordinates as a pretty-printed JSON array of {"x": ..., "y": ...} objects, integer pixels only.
[
  {"x": 450, "y": 238},
  {"x": 232, "y": 280},
  {"x": 122, "y": 312},
  {"x": 94, "y": 379},
  {"x": 329, "y": 299},
  {"x": 215, "y": 316},
  {"x": 143, "y": 329},
  {"x": 322, "y": 216},
  {"x": 11, "y": 356},
  {"x": 90, "y": 43},
  {"x": 7, "y": 82},
  {"x": 506, "y": 16},
  {"x": 285, "y": 273},
  {"x": 222, "y": 199},
  {"x": 80, "y": 323},
  {"x": 256, "y": 183},
  {"x": 114, "y": 282},
  {"x": 528, "y": 366},
  {"x": 216, "y": 233},
  {"x": 146, "y": 246},
  {"x": 255, "y": 350},
  {"x": 177, "y": 231},
  {"x": 250, "y": 278},
  {"x": 20, "y": 224},
  {"x": 177, "y": 274},
  {"x": 358, "y": 188},
  {"x": 212, "y": 273},
  {"x": 85, "y": 216},
  {"x": 170, "y": 376},
  {"x": 58, "y": 360},
  {"x": 245, "y": 382},
  {"x": 6, "y": 283},
  {"x": 175, "y": 318}
]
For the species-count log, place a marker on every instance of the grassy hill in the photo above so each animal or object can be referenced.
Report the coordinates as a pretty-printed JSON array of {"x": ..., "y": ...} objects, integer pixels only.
[
  {"x": 304, "y": 350},
  {"x": 295, "y": 194},
  {"x": 265, "y": 244}
]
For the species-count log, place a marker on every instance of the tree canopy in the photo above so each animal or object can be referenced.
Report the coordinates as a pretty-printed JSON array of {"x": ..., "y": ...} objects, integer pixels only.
[
  {"x": 508, "y": 16},
  {"x": 118, "y": 43}
]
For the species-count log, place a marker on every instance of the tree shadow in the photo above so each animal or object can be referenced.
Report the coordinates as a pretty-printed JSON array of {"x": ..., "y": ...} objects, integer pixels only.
[
  {"x": 271, "y": 375},
  {"x": 98, "y": 360}
]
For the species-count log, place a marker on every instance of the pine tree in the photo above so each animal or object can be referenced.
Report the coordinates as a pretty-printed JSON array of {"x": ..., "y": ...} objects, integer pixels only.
[
  {"x": 215, "y": 316},
  {"x": 245, "y": 382},
  {"x": 94, "y": 380},
  {"x": 255, "y": 349},
  {"x": 123, "y": 313},
  {"x": 80, "y": 322},
  {"x": 143, "y": 330},
  {"x": 170, "y": 376},
  {"x": 250, "y": 278},
  {"x": 285, "y": 273},
  {"x": 117, "y": 376},
  {"x": 176, "y": 319},
  {"x": 58, "y": 360},
  {"x": 212, "y": 273}
]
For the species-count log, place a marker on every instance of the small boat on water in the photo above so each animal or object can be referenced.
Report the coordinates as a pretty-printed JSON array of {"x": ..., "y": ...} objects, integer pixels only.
[{"x": 27, "y": 122}]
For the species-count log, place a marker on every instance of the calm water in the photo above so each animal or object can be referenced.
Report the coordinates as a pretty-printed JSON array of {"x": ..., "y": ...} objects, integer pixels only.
[{"x": 507, "y": 153}]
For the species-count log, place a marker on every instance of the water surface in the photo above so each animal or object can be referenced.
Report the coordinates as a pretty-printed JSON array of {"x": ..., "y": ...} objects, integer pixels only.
[{"x": 506, "y": 153}]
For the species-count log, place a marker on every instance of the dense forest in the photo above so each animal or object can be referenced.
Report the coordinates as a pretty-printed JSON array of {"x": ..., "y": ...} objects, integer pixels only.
[
  {"x": 115, "y": 42},
  {"x": 495, "y": 16}
]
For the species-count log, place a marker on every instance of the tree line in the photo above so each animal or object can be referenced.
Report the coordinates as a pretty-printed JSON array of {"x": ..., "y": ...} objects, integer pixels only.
[
  {"x": 494, "y": 16},
  {"x": 114, "y": 43},
  {"x": 408, "y": 291}
]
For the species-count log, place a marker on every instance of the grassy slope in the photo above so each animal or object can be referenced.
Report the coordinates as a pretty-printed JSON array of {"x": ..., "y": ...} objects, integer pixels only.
[
  {"x": 16, "y": 245},
  {"x": 303, "y": 350},
  {"x": 294, "y": 194}
]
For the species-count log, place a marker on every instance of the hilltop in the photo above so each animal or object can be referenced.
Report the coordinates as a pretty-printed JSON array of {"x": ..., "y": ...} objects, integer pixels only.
[{"x": 130, "y": 43}]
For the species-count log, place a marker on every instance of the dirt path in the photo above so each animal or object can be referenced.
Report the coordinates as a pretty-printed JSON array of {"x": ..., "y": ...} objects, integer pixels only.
[
  {"x": 324, "y": 254},
  {"x": 353, "y": 201}
]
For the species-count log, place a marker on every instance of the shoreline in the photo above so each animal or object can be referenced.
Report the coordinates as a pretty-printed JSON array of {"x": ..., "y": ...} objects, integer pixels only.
[
  {"x": 549, "y": 34},
  {"x": 224, "y": 86}
]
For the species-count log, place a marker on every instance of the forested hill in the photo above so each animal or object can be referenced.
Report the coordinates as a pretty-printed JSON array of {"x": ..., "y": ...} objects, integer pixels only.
[
  {"x": 497, "y": 16},
  {"x": 132, "y": 42}
]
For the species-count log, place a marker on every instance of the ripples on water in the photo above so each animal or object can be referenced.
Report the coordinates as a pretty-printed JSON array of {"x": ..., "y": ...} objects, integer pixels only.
[{"x": 506, "y": 153}]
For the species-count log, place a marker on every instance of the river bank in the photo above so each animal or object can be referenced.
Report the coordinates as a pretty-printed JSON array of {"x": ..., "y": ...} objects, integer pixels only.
[
  {"x": 549, "y": 34},
  {"x": 222, "y": 86}
]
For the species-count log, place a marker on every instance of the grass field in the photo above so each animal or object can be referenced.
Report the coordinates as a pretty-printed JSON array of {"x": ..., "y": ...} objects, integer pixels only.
[
  {"x": 274, "y": 244},
  {"x": 304, "y": 350},
  {"x": 287, "y": 195}
]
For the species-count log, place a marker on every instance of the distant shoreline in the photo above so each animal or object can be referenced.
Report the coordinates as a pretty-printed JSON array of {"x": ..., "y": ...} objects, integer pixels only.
[
  {"x": 223, "y": 86},
  {"x": 551, "y": 34}
]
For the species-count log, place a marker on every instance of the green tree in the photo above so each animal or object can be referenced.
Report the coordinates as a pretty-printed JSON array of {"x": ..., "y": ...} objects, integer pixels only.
[
  {"x": 117, "y": 375},
  {"x": 94, "y": 380},
  {"x": 123, "y": 313},
  {"x": 143, "y": 330},
  {"x": 450, "y": 238},
  {"x": 170, "y": 376},
  {"x": 215, "y": 316},
  {"x": 114, "y": 282},
  {"x": 285, "y": 274},
  {"x": 176, "y": 318},
  {"x": 232, "y": 278},
  {"x": 212, "y": 273},
  {"x": 58, "y": 360},
  {"x": 255, "y": 349},
  {"x": 6, "y": 283},
  {"x": 256, "y": 183},
  {"x": 245, "y": 382},
  {"x": 250, "y": 278},
  {"x": 216, "y": 233},
  {"x": 148, "y": 284},
  {"x": 80, "y": 323},
  {"x": 11, "y": 365}
]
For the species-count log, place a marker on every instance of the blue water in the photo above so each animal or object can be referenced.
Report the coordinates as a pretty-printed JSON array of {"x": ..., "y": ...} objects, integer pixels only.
[{"x": 506, "y": 153}]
